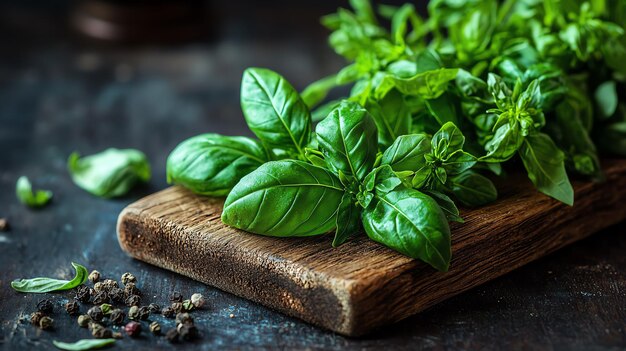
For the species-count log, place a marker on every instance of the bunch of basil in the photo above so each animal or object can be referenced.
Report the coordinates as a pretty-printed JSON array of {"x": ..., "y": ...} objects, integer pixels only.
[{"x": 524, "y": 79}]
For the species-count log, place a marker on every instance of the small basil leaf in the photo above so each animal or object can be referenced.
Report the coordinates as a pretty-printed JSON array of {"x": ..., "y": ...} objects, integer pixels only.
[
  {"x": 407, "y": 152},
  {"x": 348, "y": 220},
  {"x": 411, "y": 223},
  {"x": 545, "y": 165},
  {"x": 383, "y": 179},
  {"x": 315, "y": 157},
  {"x": 211, "y": 164},
  {"x": 347, "y": 137},
  {"x": 392, "y": 117},
  {"x": 44, "y": 285},
  {"x": 274, "y": 110},
  {"x": 458, "y": 162},
  {"x": 285, "y": 198},
  {"x": 83, "y": 345},
  {"x": 421, "y": 177},
  {"x": 447, "y": 205},
  {"x": 473, "y": 189},
  {"x": 317, "y": 91},
  {"x": 441, "y": 174},
  {"x": 110, "y": 173},
  {"x": 452, "y": 136},
  {"x": 504, "y": 144},
  {"x": 427, "y": 85},
  {"x": 24, "y": 193}
]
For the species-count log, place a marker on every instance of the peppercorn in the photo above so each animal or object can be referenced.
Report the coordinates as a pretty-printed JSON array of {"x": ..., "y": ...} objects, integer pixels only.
[
  {"x": 117, "y": 316},
  {"x": 84, "y": 320},
  {"x": 45, "y": 306},
  {"x": 117, "y": 335},
  {"x": 133, "y": 313},
  {"x": 109, "y": 284},
  {"x": 131, "y": 289},
  {"x": 94, "y": 276},
  {"x": 128, "y": 278},
  {"x": 133, "y": 300},
  {"x": 100, "y": 298},
  {"x": 46, "y": 322},
  {"x": 154, "y": 308},
  {"x": 176, "y": 297},
  {"x": 102, "y": 333},
  {"x": 155, "y": 328},
  {"x": 133, "y": 329},
  {"x": 95, "y": 313},
  {"x": 82, "y": 294},
  {"x": 187, "y": 331},
  {"x": 72, "y": 308},
  {"x": 172, "y": 335},
  {"x": 35, "y": 317},
  {"x": 98, "y": 287},
  {"x": 182, "y": 318},
  {"x": 144, "y": 312},
  {"x": 197, "y": 300},
  {"x": 106, "y": 308},
  {"x": 4, "y": 224},
  {"x": 177, "y": 307},
  {"x": 168, "y": 312},
  {"x": 187, "y": 305},
  {"x": 116, "y": 295}
]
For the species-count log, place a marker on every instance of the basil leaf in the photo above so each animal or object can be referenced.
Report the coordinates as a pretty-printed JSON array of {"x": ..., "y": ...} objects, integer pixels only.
[
  {"x": 285, "y": 198},
  {"x": 348, "y": 139},
  {"x": 324, "y": 110},
  {"x": 606, "y": 98},
  {"x": 473, "y": 189},
  {"x": 24, "y": 193},
  {"x": 427, "y": 85},
  {"x": 443, "y": 109},
  {"x": 211, "y": 164},
  {"x": 504, "y": 144},
  {"x": 411, "y": 223},
  {"x": 317, "y": 91},
  {"x": 44, "y": 285},
  {"x": 274, "y": 110},
  {"x": 84, "y": 344},
  {"x": 348, "y": 220},
  {"x": 447, "y": 205},
  {"x": 392, "y": 117},
  {"x": 544, "y": 163},
  {"x": 407, "y": 152},
  {"x": 110, "y": 173},
  {"x": 447, "y": 140}
]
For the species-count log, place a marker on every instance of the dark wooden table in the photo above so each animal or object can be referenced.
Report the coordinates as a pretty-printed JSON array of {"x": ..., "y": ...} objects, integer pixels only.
[{"x": 58, "y": 95}]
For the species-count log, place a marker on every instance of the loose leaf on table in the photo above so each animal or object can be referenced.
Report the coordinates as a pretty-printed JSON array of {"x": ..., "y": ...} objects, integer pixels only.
[
  {"x": 84, "y": 344},
  {"x": 274, "y": 110},
  {"x": 545, "y": 165},
  {"x": 211, "y": 164},
  {"x": 347, "y": 137},
  {"x": 285, "y": 198},
  {"x": 43, "y": 285},
  {"x": 26, "y": 195},
  {"x": 110, "y": 173},
  {"x": 473, "y": 189},
  {"x": 411, "y": 223}
]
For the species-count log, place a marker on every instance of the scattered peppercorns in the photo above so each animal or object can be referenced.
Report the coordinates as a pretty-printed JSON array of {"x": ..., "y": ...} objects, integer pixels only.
[
  {"x": 187, "y": 305},
  {"x": 117, "y": 335},
  {"x": 35, "y": 317},
  {"x": 82, "y": 294},
  {"x": 95, "y": 313},
  {"x": 46, "y": 323},
  {"x": 154, "y": 308},
  {"x": 106, "y": 308},
  {"x": 168, "y": 312},
  {"x": 172, "y": 335},
  {"x": 72, "y": 308},
  {"x": 155, "y": 328},
  {"x": 117, "y": 317},
  {"x": 177, "y": 307},
  {"x": 144, "y": 313},
  {"x": 100, "y": 298},
  {"x": 182, "y": 318},
  {"x": 94, "y": 276},
  {"x": 99, "y": 287},
  {"x": 84, "y": 320},
  {"x": 176, "y": 297},
  {"x": 131, "y": 289},
  {"x": 128, "y": 278},
  {"x": 45, "y": 306},
  {"x": 133, "y": 329},
  {"x": 99, "y": 331},
  {"x": 133, "y": 313},
  {"x": 197, "y": 300},
  {"x": 109, "y": 284},
  {"x": 116, "y": 295},
  {"x": 132, "y": 300}
]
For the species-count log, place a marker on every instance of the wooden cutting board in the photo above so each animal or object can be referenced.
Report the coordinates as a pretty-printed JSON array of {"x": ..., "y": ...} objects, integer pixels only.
[{"x": 362, "y": 285}]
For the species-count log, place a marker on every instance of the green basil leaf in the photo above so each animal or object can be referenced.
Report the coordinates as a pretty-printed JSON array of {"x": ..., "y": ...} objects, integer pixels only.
[
  {"x": 504, "y": 144},
  {"x": 443, "y": 109},
  {"x": 24, "y": 193},
  {"x": 383, "y": 179},
  {"x": 392, "y": 117},
  {"x": 407, "y": 152},
  {"x": 421, "y": 177},
  {"x": 450, "y": 137},
  {"x": 84, "y": 344},
  {"x": 458, "y": 162},
  {"x": 324, "y": 110},
  {"x": 473, "y": 189},
  {"x": 428, "y": 60},
  {"x": 110, "y": 173},
  {"x": 348, "y": 220},
  {"x": 317, "y": 91},
  {"x": 427, "y": 85},
  {"x": 348, "y": 139},
  {"x": 544, "y": 163},
  {"x": 411, "y": 223},
  {"x": 274, "y": 110},
  {"x": 285, "y": 198},
  {"x": 447, "y": 205},
  {"x": 211, "y": 164},
  {"x": 606, "y": 98},
  {"x": 44, "y": 285}
]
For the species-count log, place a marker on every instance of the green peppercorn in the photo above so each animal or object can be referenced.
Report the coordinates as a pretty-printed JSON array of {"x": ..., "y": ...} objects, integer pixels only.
[{"x": 133, "y": 313}]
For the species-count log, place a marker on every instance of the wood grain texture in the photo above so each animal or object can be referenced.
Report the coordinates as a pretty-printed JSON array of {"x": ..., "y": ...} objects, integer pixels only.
[{"x": 362, "y": 285}]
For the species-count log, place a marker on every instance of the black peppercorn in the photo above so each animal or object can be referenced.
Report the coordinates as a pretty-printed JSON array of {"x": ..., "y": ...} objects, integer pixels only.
[
  {"x": 183, "y": 318},
  {"x": 72, "y": 308},
  {"x": 187, "y": 331},
  {"x": 100, "y": 298},
  {"x": 131, "y": 289},
  {"x": 154, "y": 308},
  {"x": 117, "y": 295},
  {"x": 177, "y": 307},
  {"x": 176, "y": 297},
  {"x": 128, "y": 278},
  {"x": 132, "y": 329},
  {"x": 117, "y": 317},
  {"x": 102, "y": 333},
  {"x": 96, "y": 313},
  {"x": 132, "y": 300},
  {"x": 46, "y": 322},
  {"x": 144, "y": 313},
  {"x": 109, "y": 284},
  {"x": 168, "y": 312},
  {"x": 35, "y": 317},
  {"x": 82, "y": 294},
  {"x": 172, "y": 335},
  {"x": 45, "y": 306},
  {"x": 98, "y": 287}
]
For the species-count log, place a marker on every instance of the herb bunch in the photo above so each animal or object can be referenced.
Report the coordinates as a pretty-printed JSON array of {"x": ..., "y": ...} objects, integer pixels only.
[{"x": 434, "y": 104}]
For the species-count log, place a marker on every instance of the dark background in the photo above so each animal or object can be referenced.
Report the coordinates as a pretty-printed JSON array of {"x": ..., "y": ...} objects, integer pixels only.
[{"x": 61, "y": 92}]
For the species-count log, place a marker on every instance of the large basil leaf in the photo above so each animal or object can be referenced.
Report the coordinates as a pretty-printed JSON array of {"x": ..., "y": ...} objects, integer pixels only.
[
  {"x": 348, "y": 139},
  {"x": 211, "y": 164},
  {"x": 411, "y": 223},
  {"x": 110, "y": 173},
  {"x": 44, "y": 285},
  {"x": 407, "y": 152},
  {"x": 427, "y": 85},
  {"x": 544, "y": 163},
  {"x": 473, "y": 189},
  {"x": 30, "y": 198},
  {"x": 285, "y": 198},
  {"x": 392, "y": 117},
  {"x": 274, "y": 110}
]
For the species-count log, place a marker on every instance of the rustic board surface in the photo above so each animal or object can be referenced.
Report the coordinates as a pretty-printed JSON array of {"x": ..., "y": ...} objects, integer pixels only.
[{"x": 362, "y": 285}]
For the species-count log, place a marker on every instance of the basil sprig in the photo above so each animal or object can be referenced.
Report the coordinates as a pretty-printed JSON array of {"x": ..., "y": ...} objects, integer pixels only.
[
  {"x": 44, "y": 285},
  {"x": 84, "y": 344},
  {"x": 30, "y": 198}
]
